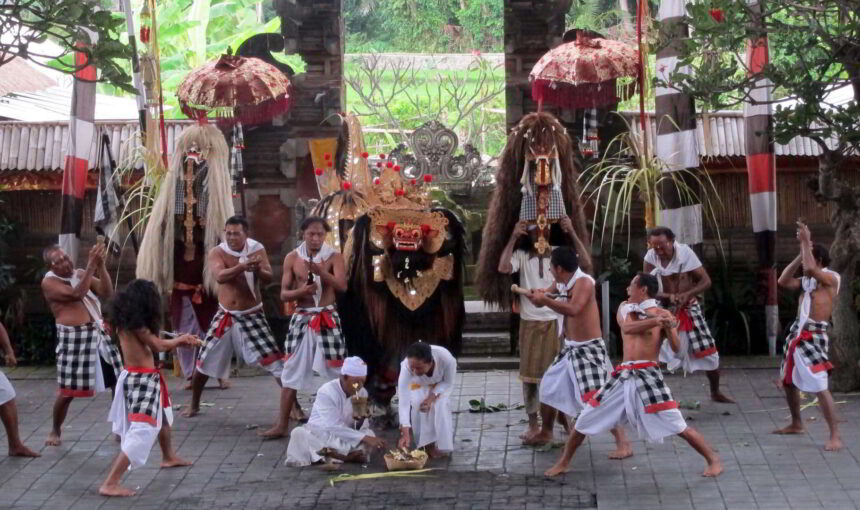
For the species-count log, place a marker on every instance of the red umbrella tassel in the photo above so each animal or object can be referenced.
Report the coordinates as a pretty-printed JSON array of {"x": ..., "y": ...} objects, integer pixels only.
[{"x": 564, "y": 95}]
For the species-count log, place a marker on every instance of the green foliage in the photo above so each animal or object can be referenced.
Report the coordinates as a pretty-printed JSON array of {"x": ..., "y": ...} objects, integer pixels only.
[
  {"x": 26, "y": 22},
  {"x": 813, "y": 50}
]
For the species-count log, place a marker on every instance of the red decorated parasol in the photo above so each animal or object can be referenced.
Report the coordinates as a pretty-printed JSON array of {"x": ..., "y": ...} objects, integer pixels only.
[
  {"x": 235, "y": 89},
  {"x": 582, "y": 73}
]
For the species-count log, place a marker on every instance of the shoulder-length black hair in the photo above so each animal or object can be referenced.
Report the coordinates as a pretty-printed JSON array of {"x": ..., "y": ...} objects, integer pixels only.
[{"x": 137, "y": 306}]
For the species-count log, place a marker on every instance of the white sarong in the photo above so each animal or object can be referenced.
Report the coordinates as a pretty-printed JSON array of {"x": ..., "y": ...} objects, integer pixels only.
[
  {"x": 560, "y": 387},
  {"x": 7, "y": 392},
  {"x": 436, "y": 425},
  {"x": 247, "y": 336},
  {"x": 137, "y": 435}
]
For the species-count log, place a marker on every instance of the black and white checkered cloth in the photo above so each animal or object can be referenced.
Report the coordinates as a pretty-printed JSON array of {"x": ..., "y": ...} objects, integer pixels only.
[
  {"x": 327, "y": 322},
  {"x": 589, "y": 364},
  {"x": 143, "y": 398},
  {"x": 701, "y": 342},
  {"x": 255, "y": 333},
  {"x": 201, "y": 194},
  {"x": 78, "y": 351},
  {"x": 652, "y": 389},
  {"x": 528, "y": 206},
  {"x": 813, "y": 349}
]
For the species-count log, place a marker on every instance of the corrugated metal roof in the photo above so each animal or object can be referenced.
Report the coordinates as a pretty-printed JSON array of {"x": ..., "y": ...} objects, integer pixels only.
[
  {"x": 19, "y": 76},
  {"x": 41, "y": 146},
  {"x": 54, "y": 104},
  {"x": 721, "y": 134}
]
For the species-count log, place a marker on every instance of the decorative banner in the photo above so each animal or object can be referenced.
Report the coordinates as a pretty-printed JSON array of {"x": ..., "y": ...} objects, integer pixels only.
[
  {"x": 761, "y": 169},
  {"x": 81, "y": 134},
  {"x": 135, "y": 65},
  {"x": 676, "y": 128}
]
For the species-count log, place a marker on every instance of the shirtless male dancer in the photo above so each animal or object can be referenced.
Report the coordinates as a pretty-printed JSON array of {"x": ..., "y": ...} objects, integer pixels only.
[
  {"x": 239, "y": 327},
  {"x": 806, "y": 364},
  {"x": 635, "y": 392},
  {"x": 141, "y": 411},
  {"x": 312, "y": 274},
  {"x": 73, "y": 296}
]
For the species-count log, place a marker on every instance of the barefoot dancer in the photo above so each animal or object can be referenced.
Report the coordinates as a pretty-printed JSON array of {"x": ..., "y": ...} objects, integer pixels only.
[
  {"x": 313, "y": 272},
  {"x": 239, "y": 264},
  {"x": 332, "y": 426},
  {"x": 806, "y": 364},
  {"x": 635, "y": 392},
  {"x": 73, "y": 296},
  {"x": 538, "y": 341},
  {"x": 8, "y": 409},
  {"x": 582, "y": 366},
  {"x": 682, "y": 278},
  {"x": 141, "y": 406},
  {"x": 423, "y": 390}
]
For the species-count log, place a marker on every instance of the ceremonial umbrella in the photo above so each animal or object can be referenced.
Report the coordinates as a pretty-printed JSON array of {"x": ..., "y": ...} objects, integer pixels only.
[
  {"x": 582, "y": 73},
  {"x": 236, "y": 89}
]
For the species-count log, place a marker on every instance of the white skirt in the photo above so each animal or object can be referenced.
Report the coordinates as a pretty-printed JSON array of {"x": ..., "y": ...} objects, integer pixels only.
[
  {"x": 624, "y": 405},
  {"x": 805, "y": 379},
  {"x": 220, "y": 355},
  {"x": 298, "y": 370},
  {"x": 305, "y": 444},
  {"x": 434, "y": 426},
  {"x": 559, "y": 387},
  {"x": 685, "y": 359},
  {"x": 137, "y": 438},
  {"x": 7, "y": 392}
]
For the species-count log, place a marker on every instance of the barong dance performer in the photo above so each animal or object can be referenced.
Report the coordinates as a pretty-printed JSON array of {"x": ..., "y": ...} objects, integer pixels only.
[
  {"x": 333, "y": 429},
  {"x": 538, "y": 331},
  {"x": 239, "y": 327},
  {"x": 8, "y": 408},
  {"x": 806, "y": 365},
  {"x": 313, "y": 272},
  {"x": 681, "y": 278},
  {"x": 141, "y": 410},
  {"x": 635, "y": 392},
  {"x": 424, "y": 389},
  {"x": 583, "y": 364},
  {"x": 73, "y": 296}
]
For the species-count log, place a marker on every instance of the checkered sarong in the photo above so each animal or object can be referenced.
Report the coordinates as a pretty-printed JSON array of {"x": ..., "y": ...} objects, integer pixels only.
[
  {"x": 701, "y": 342},
  {"x": 78, "y": 351},
  {"x": 589, "y": 363},
  {"x": 326, "y": 324},
  {"x": 528, "y": 206},
  {"x": 254, "y": 330},
  {"x": 146, "y": 395},
  {"x": 652, "y": 390},
  {"x": 813, "y": 345}
]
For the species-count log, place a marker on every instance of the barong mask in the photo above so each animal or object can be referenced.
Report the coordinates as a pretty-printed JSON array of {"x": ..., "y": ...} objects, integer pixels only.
[{"x": 541, "y": 187}]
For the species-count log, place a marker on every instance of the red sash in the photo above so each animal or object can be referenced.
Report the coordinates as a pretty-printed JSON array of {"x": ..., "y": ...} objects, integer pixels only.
[{"x": 165, "y": 395}]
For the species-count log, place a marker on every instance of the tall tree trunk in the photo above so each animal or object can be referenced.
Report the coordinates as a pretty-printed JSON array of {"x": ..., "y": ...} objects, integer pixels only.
[{"x": 844, "y": 255}]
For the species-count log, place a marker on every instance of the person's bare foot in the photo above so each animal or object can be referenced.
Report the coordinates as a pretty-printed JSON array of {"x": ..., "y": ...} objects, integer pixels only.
[
  {"x": 621, "y": 451},
  {"x": 791, "y": 429},
  {"x": 720, "y": 397},
  {"x": 298, "y": 415},
  {"x": 530, "y": 431},
  {"x": 187, "y": 386},
  {"x": 434, "y": 452},
  {"x": 190, "y": 412},
  {"x": 834, "y": 444},
  {"x": 115, "y": 491},
  {"x": 715, "y": 467},
  {"x": 539, "y": 439},
  {"x": 557, "y": 469},
  {"x": 224, "y": 384},
  {"x": 23, "y": 451},
  {"x": 172, "y": 462},
  {"x": 357, "y": 457},
  {"x": 53, "y": 440},
  {"x": 275, "y": 432}
]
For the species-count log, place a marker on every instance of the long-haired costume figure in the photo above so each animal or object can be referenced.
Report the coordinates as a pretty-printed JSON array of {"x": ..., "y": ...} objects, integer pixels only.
[
  {"x": 536, "y": 183},
  {"x": 404, "y": 261}
]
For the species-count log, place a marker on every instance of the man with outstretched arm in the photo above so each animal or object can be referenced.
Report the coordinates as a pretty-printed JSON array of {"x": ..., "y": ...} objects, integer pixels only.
[
  {"x": 583, "y": 364},
  {"x": 806, "y": 364},
  {"x": 635, "y": 393}
]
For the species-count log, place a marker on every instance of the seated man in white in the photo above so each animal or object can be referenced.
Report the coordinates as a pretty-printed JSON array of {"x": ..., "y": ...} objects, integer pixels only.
[
  {"x": 332, "y": 430},
  {"x": 425, "y": 384}
]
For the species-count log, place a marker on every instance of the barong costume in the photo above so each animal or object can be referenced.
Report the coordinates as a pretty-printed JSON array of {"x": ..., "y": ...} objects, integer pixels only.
[
  {"x": 698, "y": 349},
  {"x": 331, "y": 425},
  {"x": 141, "y": 402},
  {"x": 538, "y": 332},
  {"x": 580, "y": 369},
  {"x": 315, "y": 340},
  {"x": 806, "y": 363},
  {"x": 79, "y": 348},
  {"x": 436, "y": 425},
  {"x": 243, "y": 332}
]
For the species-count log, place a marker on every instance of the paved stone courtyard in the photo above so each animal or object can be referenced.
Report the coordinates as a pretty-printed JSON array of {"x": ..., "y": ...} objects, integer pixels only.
[{"x": 489, "y": 469}]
